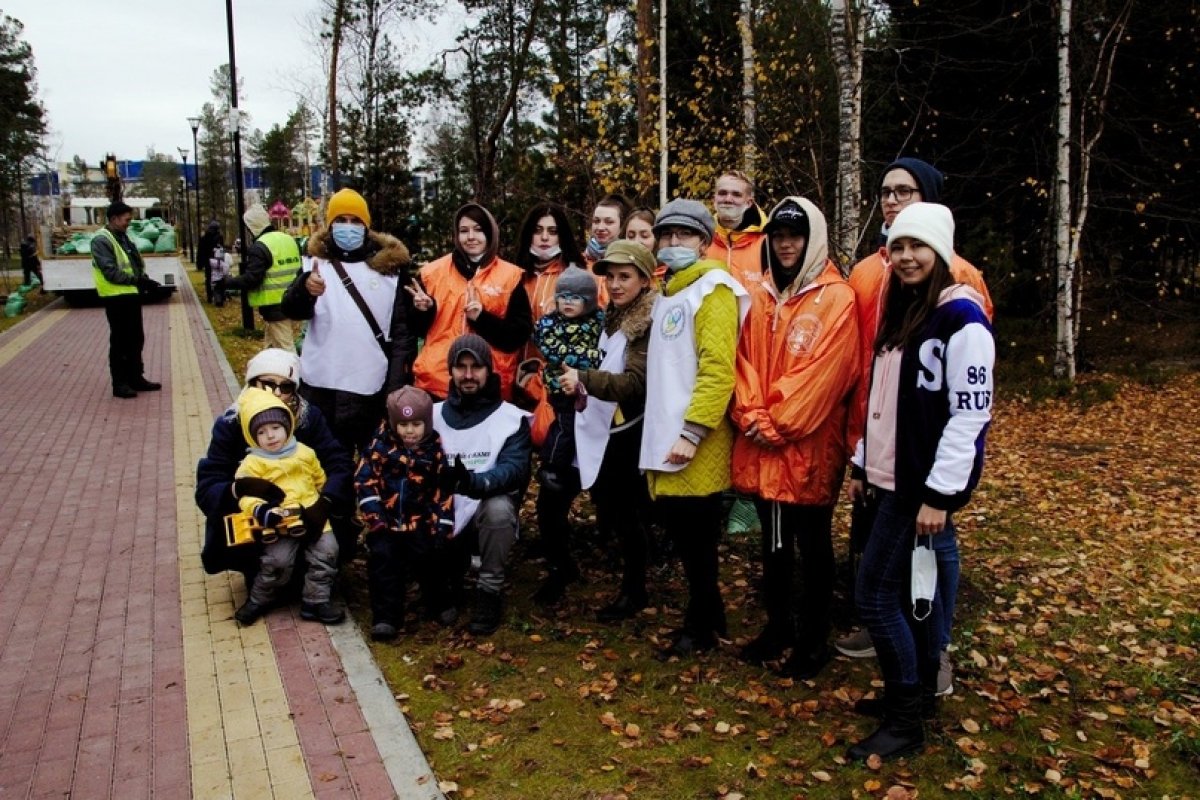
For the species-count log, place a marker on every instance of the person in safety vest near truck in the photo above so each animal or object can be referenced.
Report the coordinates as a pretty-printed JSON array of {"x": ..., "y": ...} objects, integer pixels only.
[
  {"x": 120, "y": 276},
  {"x": 272, "y": 263}
]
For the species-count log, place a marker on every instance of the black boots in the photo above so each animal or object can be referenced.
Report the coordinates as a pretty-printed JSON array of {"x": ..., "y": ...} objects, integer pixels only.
[
  {"x": 489, "y": 608},
  {"x": 768, "y": 645},
  {"x": 624, "y": 607},
  {"x": 902, "y": 731},
  {"x": 806, "y": 663},
  {"x": 554, "y": 587}
]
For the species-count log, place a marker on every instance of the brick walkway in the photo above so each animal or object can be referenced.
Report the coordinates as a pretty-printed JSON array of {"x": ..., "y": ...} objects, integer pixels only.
[{"x": 122, "y": 672}]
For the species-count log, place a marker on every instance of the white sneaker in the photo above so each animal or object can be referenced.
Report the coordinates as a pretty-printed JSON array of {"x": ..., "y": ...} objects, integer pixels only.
[
  {"x": 945, "y": 679},
  {"x": 856, "y": 645}
]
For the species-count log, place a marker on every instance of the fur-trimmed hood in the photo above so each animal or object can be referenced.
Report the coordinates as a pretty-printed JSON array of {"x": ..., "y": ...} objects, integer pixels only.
[
  {"x": 633, "y": 320},
  {"x": 386, "y": 254}
]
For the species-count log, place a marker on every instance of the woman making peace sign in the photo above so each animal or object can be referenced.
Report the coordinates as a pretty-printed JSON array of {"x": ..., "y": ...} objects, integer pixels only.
[{"x": 469, "y": 290}]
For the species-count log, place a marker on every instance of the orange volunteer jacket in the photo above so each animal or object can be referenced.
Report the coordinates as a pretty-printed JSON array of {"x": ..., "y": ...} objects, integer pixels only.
[
  {"x": 448, "y": 288},
  {"x": 797, "y": 366}
]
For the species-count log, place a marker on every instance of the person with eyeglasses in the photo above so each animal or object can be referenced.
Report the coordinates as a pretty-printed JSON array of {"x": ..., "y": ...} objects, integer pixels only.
[
  {"x": 906, "y": 181},
  {"x": 218, "y": 491},
  {"x": 687, "y": 440}
]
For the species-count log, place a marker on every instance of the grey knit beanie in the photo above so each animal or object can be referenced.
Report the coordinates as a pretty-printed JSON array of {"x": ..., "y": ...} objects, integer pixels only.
[
  {"x": 686, "y": 214},
  {"x": 574, "y": 280}
]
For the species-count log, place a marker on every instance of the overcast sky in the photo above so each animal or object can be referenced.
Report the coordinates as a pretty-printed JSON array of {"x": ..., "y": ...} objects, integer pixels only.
[{"x": 123, "y": 77}]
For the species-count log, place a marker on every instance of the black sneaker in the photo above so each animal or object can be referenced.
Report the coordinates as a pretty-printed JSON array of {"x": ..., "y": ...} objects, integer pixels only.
[
  {"x": 123, "y": 391},
  {"x": 326, "y": 613},
  {"x": 143, "y": 385},
  {"x": 249, "y": 613}
]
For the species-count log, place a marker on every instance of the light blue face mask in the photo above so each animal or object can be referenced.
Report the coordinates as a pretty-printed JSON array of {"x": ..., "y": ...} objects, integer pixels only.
[
  {"x": 677, "y": 257},
  {"x": 348, "y": 235}
]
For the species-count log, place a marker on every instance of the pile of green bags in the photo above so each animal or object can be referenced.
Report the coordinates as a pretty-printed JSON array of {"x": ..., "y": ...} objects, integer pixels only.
[{"x": 152, "y": 235}]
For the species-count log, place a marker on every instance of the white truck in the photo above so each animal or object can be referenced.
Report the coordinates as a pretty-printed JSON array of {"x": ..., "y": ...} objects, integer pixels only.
[{"x": 71, "y": 276}]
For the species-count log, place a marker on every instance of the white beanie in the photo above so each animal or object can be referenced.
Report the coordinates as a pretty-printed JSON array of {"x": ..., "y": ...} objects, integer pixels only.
[
  {"x": 274, "y": 361},
  {"x": 256, "y": 219},
  {"x": 930, "y": 223}
]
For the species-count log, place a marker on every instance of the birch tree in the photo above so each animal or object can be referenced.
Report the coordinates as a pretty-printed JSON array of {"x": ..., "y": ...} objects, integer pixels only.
[
  {"x": 749, "y": 124},
  {"x": 847, "y": 31},
  {"x": 1064, "y": 303}
]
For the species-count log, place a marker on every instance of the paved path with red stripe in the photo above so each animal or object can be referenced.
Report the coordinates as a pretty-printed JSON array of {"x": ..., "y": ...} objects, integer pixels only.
[{"x": 122, "y": 673}]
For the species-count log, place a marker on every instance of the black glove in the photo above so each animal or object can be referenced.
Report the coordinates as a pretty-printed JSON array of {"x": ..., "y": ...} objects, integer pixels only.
[
  {"x": 316, "y": 515},
  {"x": 267, "y": 515},
  {"x": 147, "y": 284},
  {"x": 454, "y": 479},
  {"x": 261, "y": 488}
]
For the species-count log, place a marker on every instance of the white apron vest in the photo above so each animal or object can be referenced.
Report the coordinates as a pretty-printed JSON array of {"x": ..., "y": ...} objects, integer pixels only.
[
  {"x": 594, "y": 424},
  {"x": 479, "y": 448},
  {"x": 340, "y": 352},
  {"x": 671, "y": 365}
]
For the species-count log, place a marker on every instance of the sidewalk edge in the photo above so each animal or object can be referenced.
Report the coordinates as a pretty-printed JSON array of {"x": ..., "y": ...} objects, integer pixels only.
[{"x": 402, "y": 757}]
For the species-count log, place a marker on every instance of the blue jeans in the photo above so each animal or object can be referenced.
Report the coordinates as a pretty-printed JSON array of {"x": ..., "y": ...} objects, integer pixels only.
[
  {"x": 945, "y": 547},
  {"x": 883, "y": 594}
]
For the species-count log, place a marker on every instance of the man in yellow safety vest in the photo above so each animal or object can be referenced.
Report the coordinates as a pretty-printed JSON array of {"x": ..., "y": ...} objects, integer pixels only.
[
  {"x": 272, "y": 262},
  {"x": 120, "y": 276}
]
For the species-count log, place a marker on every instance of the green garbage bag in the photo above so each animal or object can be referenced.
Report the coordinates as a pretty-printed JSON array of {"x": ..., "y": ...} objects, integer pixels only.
[
  {"x": 15, "y": 305},
  {"x": 165, "y": 243},
  {"x": 67, "y": 248},
  {"x": 84, "y": 245},
  {"x": 151, "y": 233},
  {"x": 142, "y": 244},
  {"x": 743, "y": 518}
]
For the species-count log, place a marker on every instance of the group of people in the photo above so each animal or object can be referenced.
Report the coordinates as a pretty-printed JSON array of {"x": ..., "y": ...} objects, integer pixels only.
[{"x": 672, "y": 358}]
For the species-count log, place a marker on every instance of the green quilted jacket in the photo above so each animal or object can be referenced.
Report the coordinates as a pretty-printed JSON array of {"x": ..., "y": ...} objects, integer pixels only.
[{"x": 716, "y": 343}]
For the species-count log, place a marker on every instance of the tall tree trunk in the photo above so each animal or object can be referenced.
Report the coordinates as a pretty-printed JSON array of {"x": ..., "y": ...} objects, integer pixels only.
[
  {"x": 664, "y": 158},
  {"x": 1064, "y": 348},
  {"x": 749, "y": 124},
  {"x": 335, "y": 46},
  {"x": 485, "y": 174},
  {"x": 644, "y": 34},
  {"x": 848, "y": 24}
]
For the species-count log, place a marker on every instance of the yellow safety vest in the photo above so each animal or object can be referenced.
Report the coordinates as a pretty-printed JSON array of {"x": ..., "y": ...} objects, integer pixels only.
[
  {"x": 285, "y": 265},
  {"x": 104, "y": 287}
]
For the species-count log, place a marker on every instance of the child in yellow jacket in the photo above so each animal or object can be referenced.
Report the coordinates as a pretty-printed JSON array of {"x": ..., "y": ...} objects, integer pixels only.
[{"x": 291, "y": 477}]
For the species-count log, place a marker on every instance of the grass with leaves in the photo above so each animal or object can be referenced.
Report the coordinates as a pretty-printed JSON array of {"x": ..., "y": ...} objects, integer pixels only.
[{"x": 1075, "y": 637}]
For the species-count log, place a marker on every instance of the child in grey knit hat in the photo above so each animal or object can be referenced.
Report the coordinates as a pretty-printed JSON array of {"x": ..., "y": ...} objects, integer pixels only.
[{"x": 569, "y": 336}]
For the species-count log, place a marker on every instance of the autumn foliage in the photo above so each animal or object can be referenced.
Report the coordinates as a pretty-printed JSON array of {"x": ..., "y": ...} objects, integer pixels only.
[{"x": 1075, "y": 649}]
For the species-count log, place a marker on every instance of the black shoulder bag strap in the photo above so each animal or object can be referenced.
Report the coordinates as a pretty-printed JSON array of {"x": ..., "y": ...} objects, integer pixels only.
[{"x": 352, "y": 290}]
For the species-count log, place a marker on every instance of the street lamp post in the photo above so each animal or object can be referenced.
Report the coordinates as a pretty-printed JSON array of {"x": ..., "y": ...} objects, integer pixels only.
[
  {"x": 247, "y": 312},
  {"x": 194, "y": 124},
  {"x": 187, "y": 206}
]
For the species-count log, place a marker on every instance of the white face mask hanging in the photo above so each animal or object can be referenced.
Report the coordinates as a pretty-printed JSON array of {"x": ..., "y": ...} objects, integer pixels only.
[{"x": 924, "y": 577}]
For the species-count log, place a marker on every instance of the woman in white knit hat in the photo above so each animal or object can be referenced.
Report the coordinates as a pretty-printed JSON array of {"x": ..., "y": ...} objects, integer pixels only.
[
  {"x": 928, "y": 411},
  {"x": 217, "y": 492}
]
